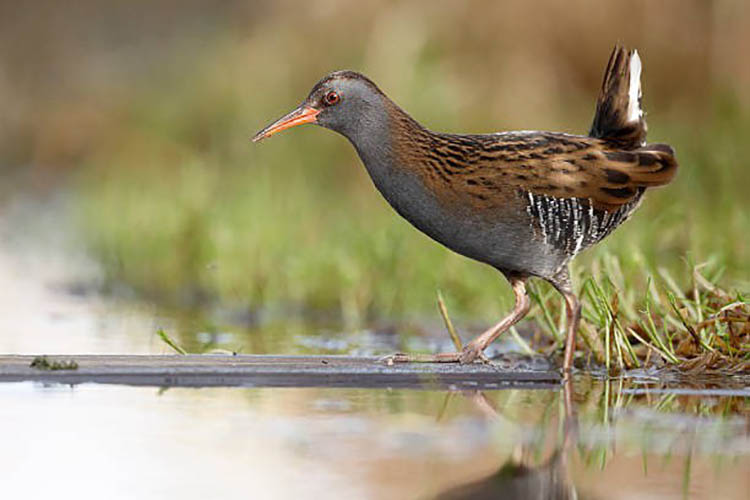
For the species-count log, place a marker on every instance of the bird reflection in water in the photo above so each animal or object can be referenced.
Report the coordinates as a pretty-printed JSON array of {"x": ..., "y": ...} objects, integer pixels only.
[{"x": 516, "y": 479}]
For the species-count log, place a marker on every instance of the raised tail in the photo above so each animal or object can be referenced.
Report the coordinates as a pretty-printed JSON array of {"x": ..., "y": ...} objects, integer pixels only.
[
  {"x": 619, "y": 117},
  {"x": 619, "y": 120}
]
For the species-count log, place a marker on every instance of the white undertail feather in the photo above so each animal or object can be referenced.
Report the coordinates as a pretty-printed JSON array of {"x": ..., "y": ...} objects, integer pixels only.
[{"x": 635, "y": 112}]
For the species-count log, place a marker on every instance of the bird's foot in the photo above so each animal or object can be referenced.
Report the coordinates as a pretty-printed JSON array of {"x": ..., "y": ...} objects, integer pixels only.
[{"x": 472, "y": 353}]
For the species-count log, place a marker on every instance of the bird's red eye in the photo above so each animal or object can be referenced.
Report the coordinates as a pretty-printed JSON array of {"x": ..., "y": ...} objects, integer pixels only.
[{"x": 331, "y": 98}]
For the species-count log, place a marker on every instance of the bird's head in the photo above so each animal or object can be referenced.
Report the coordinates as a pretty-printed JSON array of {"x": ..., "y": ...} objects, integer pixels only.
[{"x": 344, "y": 101}]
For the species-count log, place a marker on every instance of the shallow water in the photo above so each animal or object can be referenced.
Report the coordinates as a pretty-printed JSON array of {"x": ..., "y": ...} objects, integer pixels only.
[
  {"x": 617, "y": 439},
  {"x": 80, "y": 442}
]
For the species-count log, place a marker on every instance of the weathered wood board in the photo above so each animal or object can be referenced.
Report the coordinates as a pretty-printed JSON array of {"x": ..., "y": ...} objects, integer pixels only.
[{"x": 272, "y": 371}]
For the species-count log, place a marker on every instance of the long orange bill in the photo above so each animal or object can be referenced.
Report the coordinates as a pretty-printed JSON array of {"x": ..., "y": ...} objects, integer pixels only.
[{"x": 301, "y": 115}]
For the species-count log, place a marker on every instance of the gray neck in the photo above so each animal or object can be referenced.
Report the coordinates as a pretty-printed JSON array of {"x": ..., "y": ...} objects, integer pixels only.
[
  {"x": 399, "y": 183},
  {"x": 373, "y": 140}
]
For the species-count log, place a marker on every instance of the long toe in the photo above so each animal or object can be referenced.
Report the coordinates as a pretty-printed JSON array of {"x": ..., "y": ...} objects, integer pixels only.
[
  {"x": 442, "y": 357},
  {"x": 484, "y": 359}
]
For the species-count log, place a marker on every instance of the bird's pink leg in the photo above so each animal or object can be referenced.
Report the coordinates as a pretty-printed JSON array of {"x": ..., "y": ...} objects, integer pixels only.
[
  {"x": 561, "y": 282},
  {"x": 474, "y": 350},
  {"x": 573, "y": 318}
]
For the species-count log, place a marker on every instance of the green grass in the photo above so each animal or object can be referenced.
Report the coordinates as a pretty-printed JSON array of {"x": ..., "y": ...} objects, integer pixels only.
[
  {"x": 164, "y": 336},
  {"x": 700, "y": 330}
]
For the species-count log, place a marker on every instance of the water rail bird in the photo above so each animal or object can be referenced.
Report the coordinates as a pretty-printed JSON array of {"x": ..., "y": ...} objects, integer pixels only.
[{"x": 524, "y": 202}]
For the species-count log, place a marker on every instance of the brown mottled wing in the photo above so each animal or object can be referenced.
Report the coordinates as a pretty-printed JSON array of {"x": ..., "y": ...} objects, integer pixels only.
[{"x": 575, "y": 167}]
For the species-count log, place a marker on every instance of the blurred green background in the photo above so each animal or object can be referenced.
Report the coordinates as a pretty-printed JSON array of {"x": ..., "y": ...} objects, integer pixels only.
[{"x": 141, "y": 114}]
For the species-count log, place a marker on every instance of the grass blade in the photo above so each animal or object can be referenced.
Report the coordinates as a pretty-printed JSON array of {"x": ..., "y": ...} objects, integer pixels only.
[
  {"x": 448, "y": 323},
  {"x": 169, "y": 341}
]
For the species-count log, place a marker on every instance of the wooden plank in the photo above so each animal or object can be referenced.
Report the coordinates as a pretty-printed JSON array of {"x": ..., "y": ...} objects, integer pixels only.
[{"x": 195, "y": 370}]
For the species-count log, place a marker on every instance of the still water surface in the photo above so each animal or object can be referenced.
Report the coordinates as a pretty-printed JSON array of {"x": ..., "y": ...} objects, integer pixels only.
[
  {"x": 617, "y": 439},
  {"x": 95, "y": 441}
]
